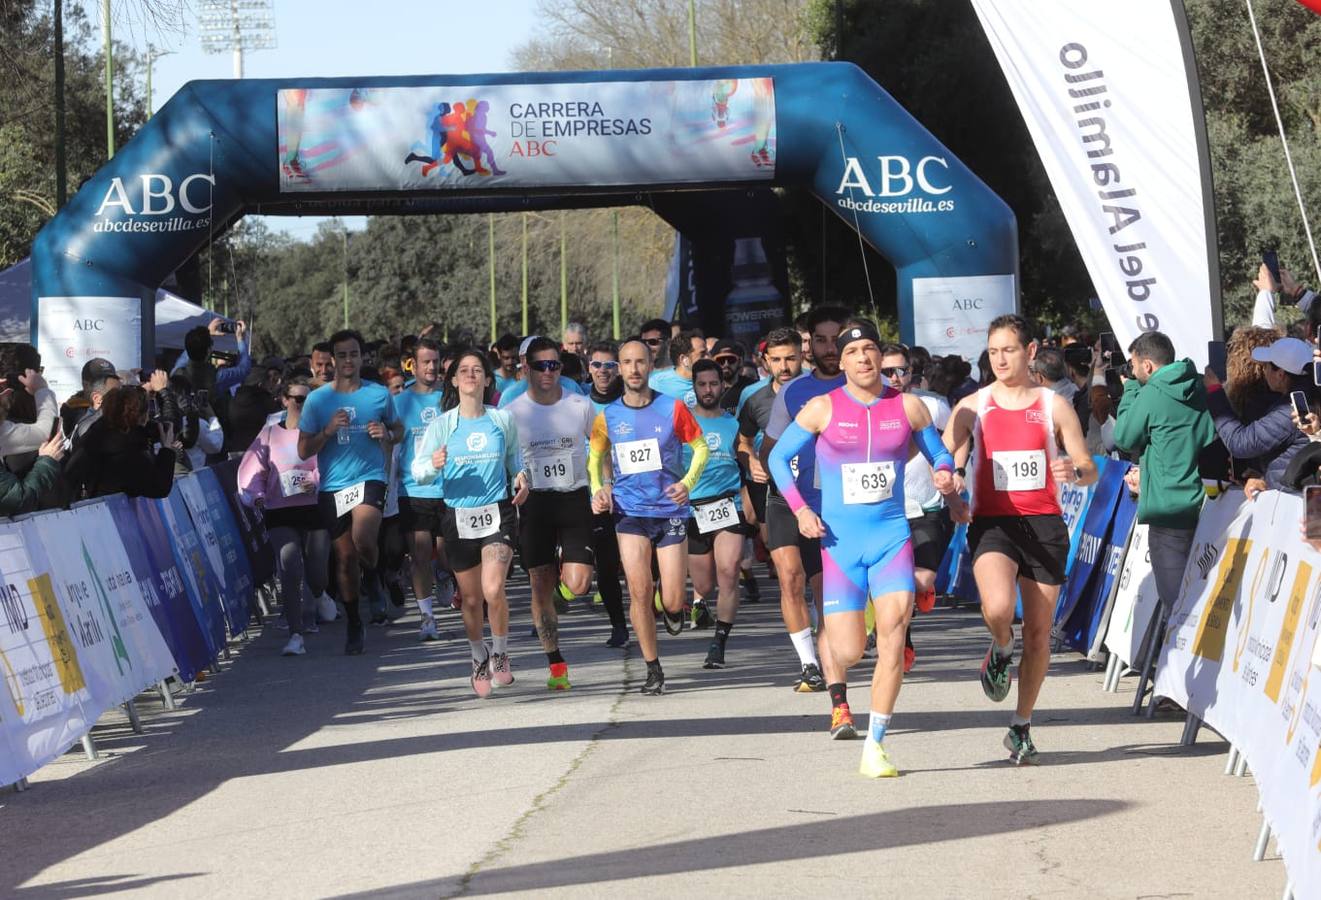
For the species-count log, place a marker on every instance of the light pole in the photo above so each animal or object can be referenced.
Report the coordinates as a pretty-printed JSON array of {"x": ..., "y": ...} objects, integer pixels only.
[
  {"x": 344, "y": 245},
  {"x": 109, "y": 80},
  {"x": 490, "y": 263},
  {"x": 692, "y": 33},
  {"x": 564, "y": 278},
  {"x": 524, "y": 273},
  {"x": 614, "y": 278},
  {"x": 236, "y": 26}
]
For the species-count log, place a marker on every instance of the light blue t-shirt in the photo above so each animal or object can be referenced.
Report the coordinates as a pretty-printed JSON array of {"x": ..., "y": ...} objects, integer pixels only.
[
  {"x": 416, "y": 411},
  {"x": 519, "y": 388},
  {"x": 721, "y": 476},
  {"x": 351, "y": 455},
  {"x": 503, "y": 382},
  {"x": 670, "y": 383},
  {"x": 475, "y": 473}
]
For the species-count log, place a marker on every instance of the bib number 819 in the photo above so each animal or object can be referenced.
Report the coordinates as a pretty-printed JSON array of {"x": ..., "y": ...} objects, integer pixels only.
[{"x": 554, "y": 470}]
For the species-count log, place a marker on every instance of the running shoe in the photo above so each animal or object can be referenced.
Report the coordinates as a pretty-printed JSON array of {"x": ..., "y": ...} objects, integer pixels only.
[
  {"x": 618, "y": 636},
  {"x": 597, "y": 599},
  {"x": 445, "y": 590},
  {"x": 325, "y": 607},
  {"x": 869, "y": 651},
  {"x": 355, "y": 639},
  {"x": 1018, "y": 741},
  {"x": 810, "y": 680},
  {"x": 294, "y": 647},
  {"x": 673, "y": 623},
  {"x": 995, "y": 674},
  {"x": 715, "y": 656},
  {"x": 876, "y": 762},
  {"x": 559, "y": 677},
  {"x": 481, "y": 678},
  {"x": 841, "y": 724},
  {"x": 910, "y": 659},
  {"x": 310, "y": 625},
  {"x": 562, "y": 597},
  {"x": 926, "y": 601},
  {"x": 655, "y": 685},
  {"x": 701, "y": 616},
  {"x": 380, "y": 618},
  {"x": 427, "y": 631},
  {"x": 751, "y": 590},
  {"x": 563, "y": 590},
  {"x": 656, "y": 602},
  {"x": 501, "y": 675}
]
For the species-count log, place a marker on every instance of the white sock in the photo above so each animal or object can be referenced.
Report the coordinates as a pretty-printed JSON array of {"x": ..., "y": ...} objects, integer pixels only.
[
  {"x": 424, "y": 604},
  {"x": 499, "y": 643},
  {"x": 1007, "y": 650},
  {"x": 479, "y": 651},
  {"x": 877, "y": 726},
  {"x": 1016, "y": 719},
  {"x": 805, "y": 646}
]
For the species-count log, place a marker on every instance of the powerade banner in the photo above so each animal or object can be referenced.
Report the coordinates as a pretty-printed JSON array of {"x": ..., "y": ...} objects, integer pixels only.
[
  {"x": 161, "y": 586},
  {"x": 1110, "y": 96},
  {"x": 1241, "y": 653},
  {"x": 532, "y": 135},
  {"x": 204, "y": 593}
]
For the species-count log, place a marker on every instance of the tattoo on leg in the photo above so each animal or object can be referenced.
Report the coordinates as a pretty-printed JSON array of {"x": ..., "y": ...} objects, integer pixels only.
[{"x": 548, "y": 629}]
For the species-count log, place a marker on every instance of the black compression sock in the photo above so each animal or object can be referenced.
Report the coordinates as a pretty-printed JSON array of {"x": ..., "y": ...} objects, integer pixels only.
[
  {"x": 653, "y": 665},
  {"x": 839, "y": 693},
  {"x": 722, "y": 632},
  {"x": 554, "y": 658}
]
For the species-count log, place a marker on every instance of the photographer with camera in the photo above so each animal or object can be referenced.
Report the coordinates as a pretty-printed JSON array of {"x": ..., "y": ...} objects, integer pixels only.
[
  {"x": 120, "y": 452},
  {"x": 195, "y": 362},
  {"x": 32, "y": 409}
]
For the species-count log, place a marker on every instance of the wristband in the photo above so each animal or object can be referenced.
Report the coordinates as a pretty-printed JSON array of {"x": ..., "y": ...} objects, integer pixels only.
[{"x": 961, "y": 472}]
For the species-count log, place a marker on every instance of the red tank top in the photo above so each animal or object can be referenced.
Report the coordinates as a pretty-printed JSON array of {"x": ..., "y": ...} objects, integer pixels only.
[{"x": 1014, "y": 449}]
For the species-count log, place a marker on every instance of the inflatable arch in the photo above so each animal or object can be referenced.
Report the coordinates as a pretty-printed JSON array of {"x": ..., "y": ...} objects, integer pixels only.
[{"x": 666, "y": 138}]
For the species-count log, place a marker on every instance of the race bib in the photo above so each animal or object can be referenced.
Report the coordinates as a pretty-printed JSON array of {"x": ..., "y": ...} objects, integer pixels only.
[
  {"x": 715, "y": 516},
  {"x": 478, "y": 522},
  {"x": 869, "y": 482},
  {"x": 553, "y": 471},
  {"x": 348, "y": 498},
  {"x": 1019, "y": 470},
  {"x": 295, "y": 482},
  {"x": 636, "y": 457}
]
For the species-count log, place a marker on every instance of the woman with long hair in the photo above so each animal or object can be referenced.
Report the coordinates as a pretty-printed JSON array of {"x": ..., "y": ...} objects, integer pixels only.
[
  {"x": 473, "y": 448},
  {"x": 119, "y": 454},
  {"x": 1246, "y": 386},
  {"x": 272, "y": 478}
]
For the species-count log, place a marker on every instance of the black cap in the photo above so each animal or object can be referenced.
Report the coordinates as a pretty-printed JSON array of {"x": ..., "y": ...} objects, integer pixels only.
[
  {"x": 98, "y": 368},
  {"x": 860, "y": 332},
  {"x": 728, "y": 346}
]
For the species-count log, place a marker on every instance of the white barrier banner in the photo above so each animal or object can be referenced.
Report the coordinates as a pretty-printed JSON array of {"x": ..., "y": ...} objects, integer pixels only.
[
  {"x": 1239, "y": 655},
  {"x": 1111, "y": 100},
  {"x": 45, "y": 705},
  {"x": 1135, "y": 601},
  {"x": 119, "y": 646}
]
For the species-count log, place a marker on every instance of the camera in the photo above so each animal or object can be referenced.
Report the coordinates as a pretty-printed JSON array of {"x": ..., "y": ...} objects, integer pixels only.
[
  {"x": 1126, "y": 370},
  {"x": 227, "y": 327}
]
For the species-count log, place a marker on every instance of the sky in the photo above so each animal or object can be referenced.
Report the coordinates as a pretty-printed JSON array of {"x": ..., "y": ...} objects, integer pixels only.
[{"x": 343, "y": 38}]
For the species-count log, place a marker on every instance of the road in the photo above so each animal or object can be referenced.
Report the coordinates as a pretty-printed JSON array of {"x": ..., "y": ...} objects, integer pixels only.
[{"x": 382, "y": 776}]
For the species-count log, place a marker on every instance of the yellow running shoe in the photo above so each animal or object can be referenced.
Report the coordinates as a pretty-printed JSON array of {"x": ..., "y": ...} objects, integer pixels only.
[{"x": 876, "y": 762}]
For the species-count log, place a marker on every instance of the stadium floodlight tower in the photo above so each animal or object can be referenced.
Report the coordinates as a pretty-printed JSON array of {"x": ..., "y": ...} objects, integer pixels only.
[{"x": 236, "y": 26}]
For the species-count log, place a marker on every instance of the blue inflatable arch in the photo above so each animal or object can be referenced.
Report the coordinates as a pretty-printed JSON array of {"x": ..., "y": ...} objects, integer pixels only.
[{"x": 463, "y": 144}]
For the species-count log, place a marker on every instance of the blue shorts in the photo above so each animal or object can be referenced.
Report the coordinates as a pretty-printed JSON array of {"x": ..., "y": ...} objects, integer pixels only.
[
  {"x": 661, "y": 531},
  {"x": 857, "y": 567}
]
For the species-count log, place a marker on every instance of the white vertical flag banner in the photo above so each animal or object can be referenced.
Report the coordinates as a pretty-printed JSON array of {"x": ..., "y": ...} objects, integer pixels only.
[{"x": 1110, "y": 96}]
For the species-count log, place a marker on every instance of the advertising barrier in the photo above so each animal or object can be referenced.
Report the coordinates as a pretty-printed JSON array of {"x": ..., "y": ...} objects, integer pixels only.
[
  {"x": 1134, "y": 604},
  {"x": 1106, "y": 523},
  {"x": 183, "y": 543},
  {"x": 219, "y": 550},
  {"x": 1239, "y": 654}
]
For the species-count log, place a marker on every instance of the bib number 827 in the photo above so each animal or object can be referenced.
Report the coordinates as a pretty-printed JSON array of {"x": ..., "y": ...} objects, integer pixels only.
[{"x": 639, "y": 454}]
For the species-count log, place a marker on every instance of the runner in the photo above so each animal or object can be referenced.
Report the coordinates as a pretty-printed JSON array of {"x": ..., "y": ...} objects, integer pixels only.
[
  {"x": 506, "y": 372},
  {"x": 1017, "y": 537},
  {"x": 677, "y": 381},
  {"x": 863, "y": 432},
  {"x": 799, "y": 554},
  {"x": 928, "y": 518},
  {"x": 553, "y": 428},
  {"x": 783, "y": 362},
  {"x": 717, "y": 528},
  {"x": 649, "y": 496},
  {"x": 606, "y": 388},
  {"x": 422, "y": 507},
  {"x": 518, "y": 388},
  {"x": 473, "y": 448},
  {"x": 349, "y": 426}
]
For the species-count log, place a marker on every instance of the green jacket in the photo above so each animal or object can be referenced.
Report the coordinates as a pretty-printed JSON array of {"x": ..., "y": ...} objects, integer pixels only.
[{"x": 1165, "y": 422}]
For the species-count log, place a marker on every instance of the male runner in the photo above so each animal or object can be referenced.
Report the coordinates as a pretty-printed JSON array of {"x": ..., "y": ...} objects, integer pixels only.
[
  {"x": 323, "y": 364},
  {"x": 1017, "y": 536},
  {"x": 645, "y": 432},
  {"x": 506, "y": 371},
  {"x": 655, "y": 333},
  {"x": 607, "y": 387},
  {"x": 422, "y": 507},
  {"x": 802, "y": 554},
  {"x": 784, "y": 363},
  {"x": 677, "y": 382},
  {"x": 927, "y": 516},
  {"x": 517, "y": 389},
  {"x": 863, "y": 433},
  {"x": 349, "y": 425},
  {"x": 553, "y": 428},
  {"x": 718, "y": 526}
]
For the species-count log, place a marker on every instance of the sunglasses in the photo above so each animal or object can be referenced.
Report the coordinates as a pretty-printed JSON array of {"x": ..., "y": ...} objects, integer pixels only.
[
  {"x": 726, "y": 358},
  {"x": 894, "y": 371},
  {"x": 300, "y": 399},
  {"x": 602, "y": 364},
  {"x": 545, "y": 365},
  {"x": 652, "y": 342}
]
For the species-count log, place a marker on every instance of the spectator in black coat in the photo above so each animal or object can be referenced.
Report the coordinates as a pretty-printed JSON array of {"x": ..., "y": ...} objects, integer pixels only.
[{"x": 118, "y": 455}]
